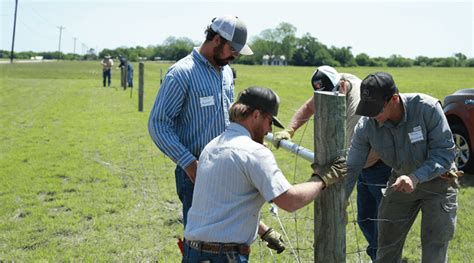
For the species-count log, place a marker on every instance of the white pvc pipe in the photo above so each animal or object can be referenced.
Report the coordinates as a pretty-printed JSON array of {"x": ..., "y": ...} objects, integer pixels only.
[{"x": 293, "y": 148}]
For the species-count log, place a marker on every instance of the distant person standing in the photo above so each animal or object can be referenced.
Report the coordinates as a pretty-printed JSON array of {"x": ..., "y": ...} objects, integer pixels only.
[
  {"x": 107, "y": 64},
  {"x": 123, "y": 62}
]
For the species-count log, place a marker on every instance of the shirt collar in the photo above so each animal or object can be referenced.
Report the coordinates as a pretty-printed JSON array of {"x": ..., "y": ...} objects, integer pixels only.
[
  {"x": 195, "y": 53},
  {"x": 239, "y": 129}
]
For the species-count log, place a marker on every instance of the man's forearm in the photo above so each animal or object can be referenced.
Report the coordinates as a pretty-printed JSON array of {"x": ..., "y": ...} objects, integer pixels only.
[
  {"x": 300, "y": 195},
  {"x": 302, "y": 115}
]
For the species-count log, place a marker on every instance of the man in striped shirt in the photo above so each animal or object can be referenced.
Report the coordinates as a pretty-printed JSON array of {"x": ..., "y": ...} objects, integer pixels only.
[{"x": 191, "y": 107}]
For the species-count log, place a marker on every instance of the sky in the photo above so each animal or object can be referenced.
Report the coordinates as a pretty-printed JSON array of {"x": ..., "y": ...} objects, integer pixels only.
[{"x": 409, "y": 28}]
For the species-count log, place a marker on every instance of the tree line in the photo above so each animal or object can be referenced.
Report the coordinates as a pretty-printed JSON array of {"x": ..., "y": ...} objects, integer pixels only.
[{"x": 271, "y": 43}]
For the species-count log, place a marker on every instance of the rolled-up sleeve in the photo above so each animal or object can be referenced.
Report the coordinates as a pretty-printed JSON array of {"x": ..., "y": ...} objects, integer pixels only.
[
  {"x": 441, "y": 148},
  {"x": 163, "y": 120}
]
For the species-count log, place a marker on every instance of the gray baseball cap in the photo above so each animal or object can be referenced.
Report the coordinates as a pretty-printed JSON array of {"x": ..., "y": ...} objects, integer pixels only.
[{"x": 233, "y": 30}]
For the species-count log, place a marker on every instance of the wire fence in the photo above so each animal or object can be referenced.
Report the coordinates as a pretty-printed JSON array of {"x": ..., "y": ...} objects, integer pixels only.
[{"x": 149, "y": 175}]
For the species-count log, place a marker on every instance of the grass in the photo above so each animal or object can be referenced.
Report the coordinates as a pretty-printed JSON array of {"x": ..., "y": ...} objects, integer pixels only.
[{"x": 81, "y": 179}]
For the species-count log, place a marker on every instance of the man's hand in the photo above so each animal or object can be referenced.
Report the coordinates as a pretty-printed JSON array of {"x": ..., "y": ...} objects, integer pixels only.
[
  {"x": 286, "y": 134},
  {"x": 405, "y": 183},
  {"x": 331, "y": 172},
  {"x": 274, "y": 240},
  {"x": 191, "y": 171}
]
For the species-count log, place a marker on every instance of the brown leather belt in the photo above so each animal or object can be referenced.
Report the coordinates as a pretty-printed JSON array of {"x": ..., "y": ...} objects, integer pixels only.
[{"x": 217, "y": 248}]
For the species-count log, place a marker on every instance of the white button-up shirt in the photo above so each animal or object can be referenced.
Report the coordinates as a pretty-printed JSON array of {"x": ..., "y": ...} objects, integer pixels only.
[{"x": 235, "y": 177}]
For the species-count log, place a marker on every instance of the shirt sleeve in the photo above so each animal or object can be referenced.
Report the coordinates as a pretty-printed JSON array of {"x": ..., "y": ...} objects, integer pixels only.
[
  {"x": 357, "y": 155},
  {"x": 265, "y": 174},
  {"x": 163, "y": 120},
  {"x": 440, "y": 145}
]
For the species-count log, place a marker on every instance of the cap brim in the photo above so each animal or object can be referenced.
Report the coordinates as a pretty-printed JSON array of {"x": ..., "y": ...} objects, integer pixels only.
[
  {"x": 246, "y": 51},
  {"x": 277, "y": 122},
  {"x": 369, "y": 109}
]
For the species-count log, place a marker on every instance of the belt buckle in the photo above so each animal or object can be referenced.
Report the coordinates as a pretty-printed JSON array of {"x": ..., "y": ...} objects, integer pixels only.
[{"x": 195, "y": 244}]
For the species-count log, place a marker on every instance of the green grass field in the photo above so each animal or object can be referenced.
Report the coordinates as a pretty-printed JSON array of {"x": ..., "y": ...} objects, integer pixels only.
[{"x": 81, "y": 179}]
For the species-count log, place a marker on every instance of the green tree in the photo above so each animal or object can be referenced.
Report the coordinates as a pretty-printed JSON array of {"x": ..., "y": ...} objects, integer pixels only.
[
  {"x": 310, "y": 52},
  {"x": 275, "y": 42},
  {"x": 362, "y": 59},
  {"x": 343, "y": 56},
  {"x": 422, "y": 61},
  {"x": 399, "y": 61},
  {"x": 461, "y": 58}
]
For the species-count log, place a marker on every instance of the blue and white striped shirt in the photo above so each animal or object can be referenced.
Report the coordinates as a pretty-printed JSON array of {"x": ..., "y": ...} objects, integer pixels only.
[{"x": 191, "y": 108}]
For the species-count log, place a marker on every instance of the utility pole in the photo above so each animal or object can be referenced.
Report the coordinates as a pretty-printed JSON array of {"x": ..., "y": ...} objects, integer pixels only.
[
  {"x": 60, "y": 32},
  {"x": 14, "y": 29},
  {"x": 75, "y": 38}
]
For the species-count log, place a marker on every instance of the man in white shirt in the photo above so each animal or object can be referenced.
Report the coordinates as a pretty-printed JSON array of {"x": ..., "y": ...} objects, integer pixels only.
[{"x": 236, "y": 175}]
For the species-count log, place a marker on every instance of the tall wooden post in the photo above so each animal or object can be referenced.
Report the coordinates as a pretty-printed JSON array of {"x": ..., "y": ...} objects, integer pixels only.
[
  {"x": 122, "y": 78},
  {"x": 141, "y": 71},
  {"x": 125, "y": 75},
  {"x": 329, "y": 208},
  {"x": 161, "y": 76}
]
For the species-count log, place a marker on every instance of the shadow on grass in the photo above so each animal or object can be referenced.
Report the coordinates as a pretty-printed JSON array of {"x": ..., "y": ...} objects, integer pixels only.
[{"x": 467, "y": 180}]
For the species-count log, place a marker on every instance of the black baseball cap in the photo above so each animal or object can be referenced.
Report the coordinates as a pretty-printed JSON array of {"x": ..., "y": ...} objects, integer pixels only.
[
  {"x": 375, "y": 90},
  {"x": 263, "y": 99}
]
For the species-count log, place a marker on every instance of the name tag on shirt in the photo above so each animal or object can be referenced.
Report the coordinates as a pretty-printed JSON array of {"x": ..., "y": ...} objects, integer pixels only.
[
  {"x": 207, "y": 101},
  {"x": 416, "y": 135}
]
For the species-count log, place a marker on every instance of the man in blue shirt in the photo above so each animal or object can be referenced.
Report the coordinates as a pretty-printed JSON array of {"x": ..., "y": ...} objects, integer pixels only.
[
  {"x": 411, "y": 134},
  {"x": 191, "y": 107}
]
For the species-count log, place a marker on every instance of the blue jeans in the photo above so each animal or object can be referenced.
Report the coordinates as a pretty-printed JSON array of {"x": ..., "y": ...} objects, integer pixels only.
[
  {"x": 195, "y": 256},
  {"x": 185, "y": 189},
  {"x": 368, "y": 201},
  {"x": 107, "y": 74},
  {"x": 130, "y": 75}
]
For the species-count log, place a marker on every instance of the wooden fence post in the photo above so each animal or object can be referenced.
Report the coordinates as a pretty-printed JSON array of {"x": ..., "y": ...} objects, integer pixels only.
[
  {"x": 125, "y": 75},
  {"x": 141, "y": 71},
  {"x": 329, "y": 208},
  {"x": 122, "y": 78},
  {"x": 161, "y": 76}
]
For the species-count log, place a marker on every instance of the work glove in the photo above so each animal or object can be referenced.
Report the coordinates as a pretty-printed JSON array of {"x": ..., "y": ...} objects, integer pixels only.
[
  {"x": 331, "y": 172},
  {"x": 286, "y": 134},
  {"x": 274, "y": 240}
]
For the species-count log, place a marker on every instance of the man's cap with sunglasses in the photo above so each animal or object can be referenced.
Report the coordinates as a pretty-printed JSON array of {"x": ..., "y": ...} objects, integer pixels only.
[
  {"x": 327, "y": 77},
  {"x": 262, "y": 99},
  {"x": 232, "y": 29},
  {"x": 375, "y": 90}
]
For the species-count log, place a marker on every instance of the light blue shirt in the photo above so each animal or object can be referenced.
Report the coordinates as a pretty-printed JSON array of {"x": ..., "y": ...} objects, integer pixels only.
[
  {"x": 421, "y": 143},
  {"x": 191, "y": 107},
  {"x": 235, "y": 177}
]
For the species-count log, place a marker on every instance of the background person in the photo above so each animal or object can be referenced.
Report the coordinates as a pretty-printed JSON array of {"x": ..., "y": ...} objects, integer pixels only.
[
  {"x": 411, "y": 134},
  {"x": 123, "y": 63},
  {"x": 107, "y": 64},
  {"x": 236, "y": 175},
  {"x": 375, "y": 174}
]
